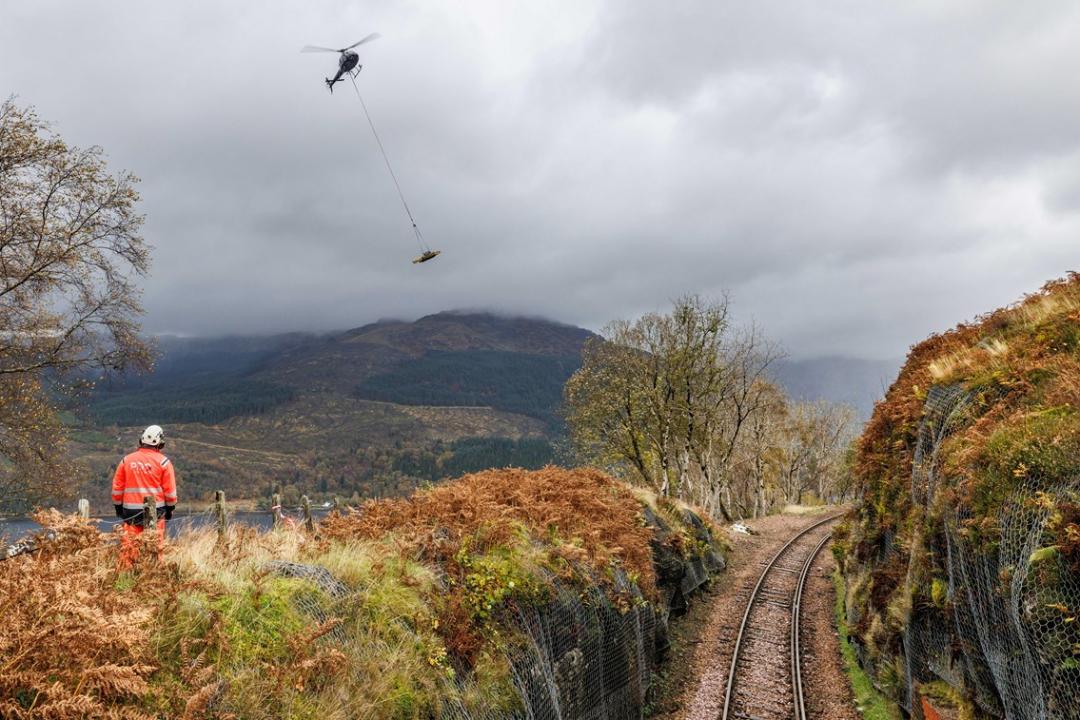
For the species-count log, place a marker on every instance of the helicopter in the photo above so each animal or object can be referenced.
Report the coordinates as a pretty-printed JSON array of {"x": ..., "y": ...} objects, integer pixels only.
[{"x": 347, "y": 63}]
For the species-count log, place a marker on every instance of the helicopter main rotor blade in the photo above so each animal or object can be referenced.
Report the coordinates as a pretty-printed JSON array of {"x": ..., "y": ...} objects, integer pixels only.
[
  {"x": 372, "y": 36},
  {"x": 316, "y": 48}
]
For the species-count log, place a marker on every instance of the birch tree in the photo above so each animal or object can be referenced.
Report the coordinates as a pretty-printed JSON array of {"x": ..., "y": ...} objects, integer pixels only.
[
  {"x": 759, "y": 459},
  {"x": 70, "y": 251},
  {"x": 815, "y": 442},
  {"x": 668, "y": 396}
]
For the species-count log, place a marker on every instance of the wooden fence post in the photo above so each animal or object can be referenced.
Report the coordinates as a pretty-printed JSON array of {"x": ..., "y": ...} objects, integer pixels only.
[
  {"x": 149, "y": 508},
  {"x": 149, "y": 505},
  {"x": 219, "y": 512},
  {"x": 275, "y": 508},
  {"x": 305, "y": 505},
  {"x": 84, "y": 509}
]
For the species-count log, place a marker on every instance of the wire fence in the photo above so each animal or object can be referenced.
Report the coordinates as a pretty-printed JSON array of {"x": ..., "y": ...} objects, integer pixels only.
[{"x": 219, "y": 515}]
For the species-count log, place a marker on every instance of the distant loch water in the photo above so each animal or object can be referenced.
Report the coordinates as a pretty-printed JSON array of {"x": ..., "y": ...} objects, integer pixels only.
[{"x": 14, "y": 528}]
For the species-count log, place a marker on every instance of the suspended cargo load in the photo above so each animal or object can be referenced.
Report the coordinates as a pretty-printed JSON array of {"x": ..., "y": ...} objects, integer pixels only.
[
  {"x": 348, "y": 64},
  {"x": 428, "y": 255}
]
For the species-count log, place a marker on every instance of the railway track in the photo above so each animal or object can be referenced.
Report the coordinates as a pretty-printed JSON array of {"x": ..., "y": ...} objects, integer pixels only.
[{"x": 765, "y": 676}]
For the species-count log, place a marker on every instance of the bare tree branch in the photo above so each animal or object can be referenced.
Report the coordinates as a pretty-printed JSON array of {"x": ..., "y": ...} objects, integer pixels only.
[{"x": 69, "y": 251}]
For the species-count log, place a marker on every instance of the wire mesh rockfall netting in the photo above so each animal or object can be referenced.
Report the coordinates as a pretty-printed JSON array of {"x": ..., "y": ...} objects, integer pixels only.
[
  {"x": 962, "y": 562},
  {"x": 580, "y": 656},
  {"x": 1016, "y": 601},
  {"x": 1012, "y": 642},
  {"x": 589, "y": 649},
  {"x": 927, "y": 637},
  {"x": 944, "y": 408},
  {"x": 584, "y": 654}
]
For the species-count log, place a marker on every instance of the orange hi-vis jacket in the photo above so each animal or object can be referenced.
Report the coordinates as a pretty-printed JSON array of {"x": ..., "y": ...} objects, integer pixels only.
[{"x": 144, "y": 472}]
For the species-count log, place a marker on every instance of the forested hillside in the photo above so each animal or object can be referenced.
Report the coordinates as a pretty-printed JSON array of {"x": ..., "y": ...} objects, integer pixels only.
[
  {"x": 210, "y": 401},
  {"x": 963, "y": 561},
  {"x": 204, "y": 380},
  {"x": 515, "y": 382},
  {"x": 373, "y": 411}
]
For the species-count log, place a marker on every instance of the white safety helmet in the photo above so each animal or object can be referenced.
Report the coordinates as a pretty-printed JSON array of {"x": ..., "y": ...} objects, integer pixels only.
[{"x": 153, "y": 436}]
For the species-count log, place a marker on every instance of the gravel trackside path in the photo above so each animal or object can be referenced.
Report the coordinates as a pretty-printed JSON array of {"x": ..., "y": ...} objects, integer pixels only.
[{"x": 828, "y": 695}]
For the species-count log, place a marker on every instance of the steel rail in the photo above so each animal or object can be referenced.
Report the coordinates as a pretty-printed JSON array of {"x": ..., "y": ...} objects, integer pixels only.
[
  {"x": 796, "y": 617},
  {"x": 729, "y": 690}
]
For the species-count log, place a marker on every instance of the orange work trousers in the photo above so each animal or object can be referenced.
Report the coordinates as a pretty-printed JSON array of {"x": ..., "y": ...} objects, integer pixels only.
[{"x": 131, "y": 541}]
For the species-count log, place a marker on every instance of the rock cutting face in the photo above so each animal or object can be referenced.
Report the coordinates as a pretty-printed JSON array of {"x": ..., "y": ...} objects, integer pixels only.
[{"x": 964, "y": 557}]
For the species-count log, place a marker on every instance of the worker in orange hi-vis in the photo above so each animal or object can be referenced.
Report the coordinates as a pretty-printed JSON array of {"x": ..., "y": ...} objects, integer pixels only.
[{"x": 144, "y": 472}]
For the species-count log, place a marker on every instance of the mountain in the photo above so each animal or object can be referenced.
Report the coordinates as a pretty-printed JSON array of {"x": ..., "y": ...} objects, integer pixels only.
[
  {"x": 386, "y": 347},
  {"x": 374, "y": 410},
  {"x": 377, "y": 409},
  {"x": 838, "y": 379}
]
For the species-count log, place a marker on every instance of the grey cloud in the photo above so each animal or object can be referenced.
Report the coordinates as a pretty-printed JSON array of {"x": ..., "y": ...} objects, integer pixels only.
[{"x": 859, "y": 175}]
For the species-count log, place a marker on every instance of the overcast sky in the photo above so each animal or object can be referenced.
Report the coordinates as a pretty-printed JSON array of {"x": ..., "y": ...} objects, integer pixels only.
[{"x": 856, "y": 174}]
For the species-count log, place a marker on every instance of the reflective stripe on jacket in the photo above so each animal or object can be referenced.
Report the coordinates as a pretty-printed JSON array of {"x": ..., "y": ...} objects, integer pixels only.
[{"x": 144, "y": 472}]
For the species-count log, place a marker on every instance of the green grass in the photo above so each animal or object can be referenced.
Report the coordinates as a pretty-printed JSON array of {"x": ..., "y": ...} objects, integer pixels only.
[{"x": 871, "y": 704}]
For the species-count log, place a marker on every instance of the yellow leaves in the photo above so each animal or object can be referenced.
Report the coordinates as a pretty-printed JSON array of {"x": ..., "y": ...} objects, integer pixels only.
[
  {"x": 437, "y": 656},
  {"x": 70, "y": 244},
  {"x": 1043, "y": 501},
  {"x": 1068, "y": 616}
]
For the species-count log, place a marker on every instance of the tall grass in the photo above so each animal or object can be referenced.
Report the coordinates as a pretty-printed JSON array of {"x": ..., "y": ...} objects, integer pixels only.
[
  {"x": 871, "y": 704},
  {"x": 398, "y": 612}
]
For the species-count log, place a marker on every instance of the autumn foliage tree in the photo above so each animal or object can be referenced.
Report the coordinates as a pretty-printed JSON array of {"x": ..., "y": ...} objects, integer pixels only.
[
  {"x": 682, "y": 403},
  {"x": 70, "y": 250},
  {"x": 669, "y": 397},
  {"x": 813, "y": 446}
]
